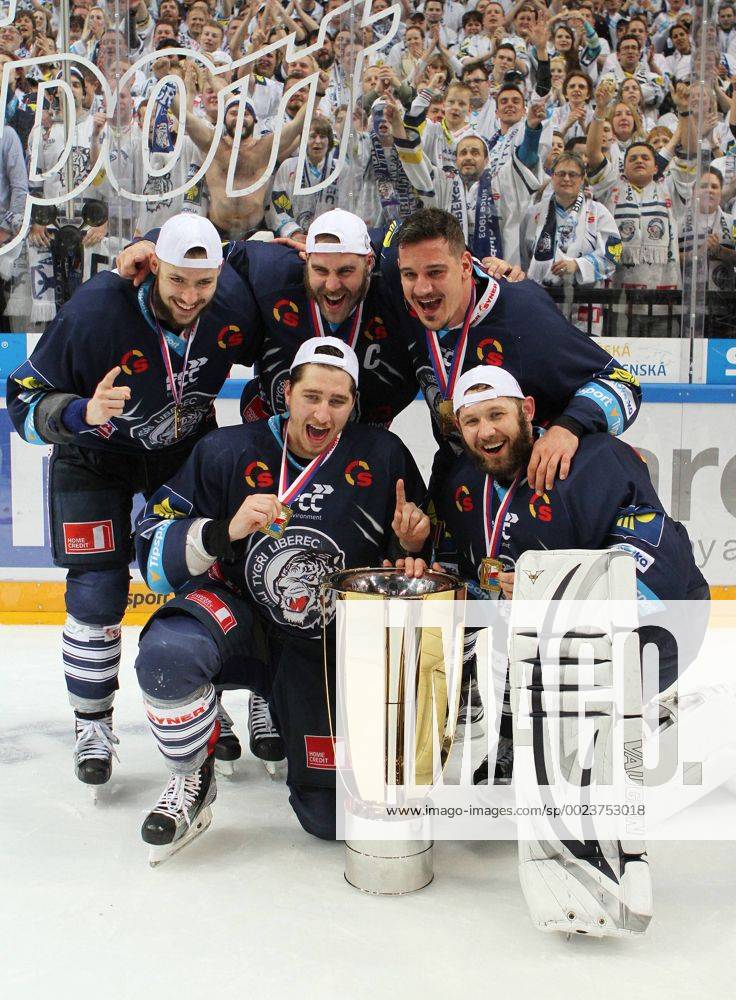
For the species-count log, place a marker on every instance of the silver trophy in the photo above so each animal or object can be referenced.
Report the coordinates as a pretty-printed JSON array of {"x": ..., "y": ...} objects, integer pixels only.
[{"x": 398, "y": 660}]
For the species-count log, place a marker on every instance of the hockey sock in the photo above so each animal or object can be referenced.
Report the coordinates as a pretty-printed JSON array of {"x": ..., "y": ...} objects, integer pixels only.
[
  {"x": 91, "y": 655},
  {"x": 185, "y": 731}
]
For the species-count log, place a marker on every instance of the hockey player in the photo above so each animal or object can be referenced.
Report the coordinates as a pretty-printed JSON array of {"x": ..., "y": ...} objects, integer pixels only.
[
  {"x": 606, "y": 501},
  {"x": 123, "y": 383},
  {"x": 459, "y": 315},
  {"x": 245, "y": 534},
  {"x": 456, "y": 315},
  {"x": 289, "y": 301}
]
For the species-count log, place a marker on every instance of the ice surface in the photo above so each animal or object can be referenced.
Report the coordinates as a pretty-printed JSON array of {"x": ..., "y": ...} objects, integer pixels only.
[{"x": 257, "y": 908}]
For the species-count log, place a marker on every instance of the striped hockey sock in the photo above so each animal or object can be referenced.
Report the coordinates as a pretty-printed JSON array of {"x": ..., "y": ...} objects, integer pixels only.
[
  {"x": 91, "y": 655},
  {"x": 186, "y": 732}
]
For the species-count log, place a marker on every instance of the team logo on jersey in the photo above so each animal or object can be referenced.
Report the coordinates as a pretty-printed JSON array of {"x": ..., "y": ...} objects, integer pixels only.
[
  {"x": 463, "y": 499},
  {"x": 539, "y": 506},
  {"x": 257, "y": 473},
  {"x": 27, "y": 376},
  {"x": 287, "y": 312},
  {"x": 284, "y": 575},
  {"x": 622, "y": 375},
  {"x": 490, "y": 352},
  {"x": 642, "y": 522},
  {"x": 358, "y": 473},
  {"x": 134, "y": 362},
  {"x": 376, "y": 329},
  {"x": 229, "y": 336},
  {"x": 172, "y": 505},
  {"x": 160, "y": 429}
]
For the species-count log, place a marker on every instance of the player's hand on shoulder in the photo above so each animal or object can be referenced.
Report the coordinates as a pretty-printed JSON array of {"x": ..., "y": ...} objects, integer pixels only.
[
  {"x": 108, "y": 401},
  {"x": 506, "y": 582},
  {"x": 498, "y": 268},
  {"x": 551, "y": 458},
  {"x": 134, "y": 262},
  {"x": 256, "y": 511},
  {"x": 410, "y": 524}
]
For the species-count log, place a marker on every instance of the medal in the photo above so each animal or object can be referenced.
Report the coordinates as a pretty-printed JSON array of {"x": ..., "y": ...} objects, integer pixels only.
[
  {"x": 447, "y": 382},
  {"x": 288, "y": 493},
  {"x": 489, "y": 570},
  {"x": 176, "y": 382},
  {"x": 277, "y": 528},
  {"x": 491, "y": 565},
  {"x": 447, "y": 417}
]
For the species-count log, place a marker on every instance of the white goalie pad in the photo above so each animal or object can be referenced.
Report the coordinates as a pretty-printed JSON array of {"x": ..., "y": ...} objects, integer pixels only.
[{"x": 576, "y": 700}]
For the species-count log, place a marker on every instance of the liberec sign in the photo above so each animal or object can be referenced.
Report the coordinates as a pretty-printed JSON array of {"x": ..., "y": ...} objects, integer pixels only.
[{"x": 234, "y": 89}]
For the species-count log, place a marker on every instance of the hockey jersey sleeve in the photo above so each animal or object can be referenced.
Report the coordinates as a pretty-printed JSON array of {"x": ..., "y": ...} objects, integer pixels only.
[
  {"x": 620, "y": 509},
  {"x": 198, "y": 490},
  {"x": 600, "y": 394},
  {"x": 55, "y": 376}
]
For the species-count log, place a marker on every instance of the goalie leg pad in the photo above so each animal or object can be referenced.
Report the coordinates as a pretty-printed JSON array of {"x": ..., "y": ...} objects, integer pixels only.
[{"x": 577, "y": 712}]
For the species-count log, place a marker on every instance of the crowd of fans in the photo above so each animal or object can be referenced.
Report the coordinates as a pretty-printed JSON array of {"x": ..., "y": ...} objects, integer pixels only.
[{"x": 561, "y": 136}]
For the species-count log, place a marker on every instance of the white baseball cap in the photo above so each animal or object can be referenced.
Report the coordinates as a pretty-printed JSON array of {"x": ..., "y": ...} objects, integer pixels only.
[
  {"x": 499, "y": 381},
  {"x": 183, "y": 233},
  {"x": 309, "y": 354},
  {"x": 350, "y": 230}
]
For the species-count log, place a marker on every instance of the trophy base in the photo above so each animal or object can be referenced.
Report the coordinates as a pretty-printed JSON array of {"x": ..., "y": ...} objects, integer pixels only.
[{"x": 388, "y": 867}]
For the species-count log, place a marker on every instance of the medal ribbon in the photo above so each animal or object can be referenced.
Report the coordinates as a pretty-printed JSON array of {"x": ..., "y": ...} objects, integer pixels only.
[
  {"x": 492, "y": 528},
  {"x": 447, "y": 384},
  {"x": 166, "y": 340},
  {"x": 318, "y": 326},
  {"x": 288, "y": 493}
]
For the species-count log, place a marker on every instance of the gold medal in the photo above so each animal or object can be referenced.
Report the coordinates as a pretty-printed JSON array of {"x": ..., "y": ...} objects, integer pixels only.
[
  {"x": 177, "y": 426},
  {"x": 277, "y": 527},
  {"x": 447, "y": 417},
  {"x": 489, "y": 570}
]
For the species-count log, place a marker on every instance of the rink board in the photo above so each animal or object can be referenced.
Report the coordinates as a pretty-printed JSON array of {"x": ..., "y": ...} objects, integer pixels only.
[{"x": 684, "y": 431}]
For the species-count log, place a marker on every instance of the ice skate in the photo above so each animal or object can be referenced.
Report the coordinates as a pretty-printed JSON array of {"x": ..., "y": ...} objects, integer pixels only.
[
  {"x": 265, "y": 741},
  {"x": 471, "y": 710},
  {"x": 181, "y": 814},
  {"x": 227, "y": 748},
  {"x": 504, "y": 765},
  {"x": 94, "y": 749}
]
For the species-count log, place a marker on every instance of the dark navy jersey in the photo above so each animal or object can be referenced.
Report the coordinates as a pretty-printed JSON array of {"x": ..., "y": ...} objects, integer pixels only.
[
  {"x": 607, "y": 501},
  {"x": 518, "y": 327},
  {"x": 279, "y": 308},
  {"x": 342, "y": 519},
  {"x": 103, "y": 326}
]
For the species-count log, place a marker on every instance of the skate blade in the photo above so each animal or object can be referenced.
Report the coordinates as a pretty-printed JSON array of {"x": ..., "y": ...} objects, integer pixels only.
[
  {"x": 276, "y": 769},
  {"x": 159, "y": 853},
  {"x": 224, "y": 768}
]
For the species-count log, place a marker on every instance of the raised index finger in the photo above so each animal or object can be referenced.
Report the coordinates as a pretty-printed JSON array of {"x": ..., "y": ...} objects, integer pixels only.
[
  {"x": 109, "y": 379},
  {"x": 400, "y": 494}
]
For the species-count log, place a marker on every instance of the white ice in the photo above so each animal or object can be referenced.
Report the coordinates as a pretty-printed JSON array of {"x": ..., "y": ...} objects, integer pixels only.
[{"x": 257, "y": 908}]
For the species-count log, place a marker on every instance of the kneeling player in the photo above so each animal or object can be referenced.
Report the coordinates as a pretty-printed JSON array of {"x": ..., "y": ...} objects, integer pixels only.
[
  {"x": 245, "y": 534},
  {"x": 606, "y": 501}
]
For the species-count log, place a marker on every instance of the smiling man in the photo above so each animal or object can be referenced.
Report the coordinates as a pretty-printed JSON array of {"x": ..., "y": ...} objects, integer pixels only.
[
  {"x": 607, "y": 501},
  {"x": 254, "y": 522},
  {"x": 332, "y": 288},
  {"x": 458, "y": 315},
  {"x": 122, "y": 383}
]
